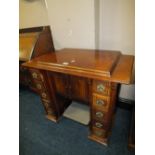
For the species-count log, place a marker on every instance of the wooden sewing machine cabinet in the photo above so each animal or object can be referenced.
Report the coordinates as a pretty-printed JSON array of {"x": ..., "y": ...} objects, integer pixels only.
[{"x": 90, "y": 76}]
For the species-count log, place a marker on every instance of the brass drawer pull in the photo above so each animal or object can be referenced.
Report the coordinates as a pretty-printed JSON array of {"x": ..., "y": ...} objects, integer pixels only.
[
  {"x": 34, "y": 75},
  {"x": 98, "y": 125},
  {"x": 99, "y": 114},
  {"x": 100, "y": 102},
  {"x": 38, "y": 86},
  {"x": 44, "y": 95},
  {"x": 100, "y": 88}
]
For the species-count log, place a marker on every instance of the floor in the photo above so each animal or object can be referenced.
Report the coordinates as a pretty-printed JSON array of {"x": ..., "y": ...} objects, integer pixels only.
[{"x": 39, "y": 136}]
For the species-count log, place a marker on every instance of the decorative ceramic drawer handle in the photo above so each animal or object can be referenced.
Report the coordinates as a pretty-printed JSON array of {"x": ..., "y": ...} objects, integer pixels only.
[
  {"x": 100, "y": 102},
  {"x": 99, "y": 125},
  {"x": 99, "y": 114},
  {"x": 34, "y": 74},
  {"x": 44, "y": 95},
  {"x": 100, "y": 88},
  {"x": 98, "y": 133},
  {"x": 38, "y": 86}
]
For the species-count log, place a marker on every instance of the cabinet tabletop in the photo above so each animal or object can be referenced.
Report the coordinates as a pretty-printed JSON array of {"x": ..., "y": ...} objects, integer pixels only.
[{"x": 98, "y": 64}]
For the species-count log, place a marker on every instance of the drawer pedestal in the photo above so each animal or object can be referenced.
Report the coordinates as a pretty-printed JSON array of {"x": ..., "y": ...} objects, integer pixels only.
[{"x": 102, "y": 110}]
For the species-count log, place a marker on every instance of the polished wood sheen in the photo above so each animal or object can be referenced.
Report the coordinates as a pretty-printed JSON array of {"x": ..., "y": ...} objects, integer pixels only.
[
  {"x": 27, "y": 42},
  {"x": 90, "y": 76}
]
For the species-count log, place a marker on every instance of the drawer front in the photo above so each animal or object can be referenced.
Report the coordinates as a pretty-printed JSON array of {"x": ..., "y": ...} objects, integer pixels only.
[
  {"x": 36, "y": 75},
  {"x": 40, "y": 86},
  {"x": 48, "y": 107},
  {"x": 101, "y": 133},
  {"x": 44, "y": 95},
  {"x": 101, "y": 87},
  {"x": 100, "y": 125},
  {"x": 99, "y": 115},
  {"x": 101, "y": 102}
]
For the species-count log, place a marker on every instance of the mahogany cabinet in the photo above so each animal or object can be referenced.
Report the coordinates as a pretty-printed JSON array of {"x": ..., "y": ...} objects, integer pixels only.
[{"x": 68, "y": 74}]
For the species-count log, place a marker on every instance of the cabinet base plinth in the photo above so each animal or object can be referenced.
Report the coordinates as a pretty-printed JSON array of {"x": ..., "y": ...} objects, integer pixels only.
[
  {"x": 52, "y": 118},
  {"x": 103, "y": 141}
]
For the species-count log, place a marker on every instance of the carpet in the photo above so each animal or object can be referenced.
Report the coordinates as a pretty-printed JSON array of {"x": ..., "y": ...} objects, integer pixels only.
[{"x": 39, "y": 136}]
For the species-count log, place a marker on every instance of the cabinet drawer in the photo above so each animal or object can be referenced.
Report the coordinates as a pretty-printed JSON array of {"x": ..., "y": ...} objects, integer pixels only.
[
  {"x": 101, "y": 102},
  {"x": 40, "y": 86},
  {"x": 101, "y": 133},
  {"x": 36, "y": 75},
  {"x": 44, "y": 95},
  {"x": 98, "y": 124},
  {"x": 101, "y": 87},
  {"x": 99, "y": 115},
  {"x": 48, "y": 107}
]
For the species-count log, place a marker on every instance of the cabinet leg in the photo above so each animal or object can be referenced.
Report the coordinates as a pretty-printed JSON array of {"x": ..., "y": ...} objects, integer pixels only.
[{"x": 103, "y": 141}]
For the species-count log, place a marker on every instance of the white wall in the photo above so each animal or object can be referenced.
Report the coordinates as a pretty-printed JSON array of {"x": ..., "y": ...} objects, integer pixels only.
[
  {"x": 117, "y": 32},
  {"x": 32, "y": 14},
  {"x": 72, "y": 23},
  {"x": 117, "y": 25}
]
